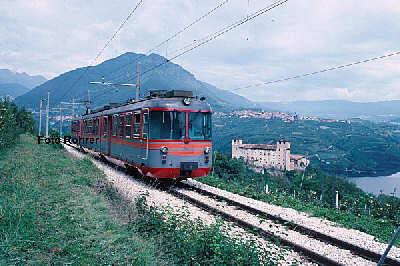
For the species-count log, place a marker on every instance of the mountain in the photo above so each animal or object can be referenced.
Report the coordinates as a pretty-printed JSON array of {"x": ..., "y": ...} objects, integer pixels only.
[
  {"x": 340, "y": 109},
  {"x": 12, "y": 89},
  {"x": 7, "y": 76},
  {"x": 122, "y": 69}
]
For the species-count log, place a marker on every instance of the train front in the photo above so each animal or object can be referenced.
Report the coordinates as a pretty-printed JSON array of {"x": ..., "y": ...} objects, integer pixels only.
[{"x": 179, "y": 138}]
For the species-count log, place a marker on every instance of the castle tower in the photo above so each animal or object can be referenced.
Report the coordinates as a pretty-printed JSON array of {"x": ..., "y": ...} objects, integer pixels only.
[
  {"x": 283, "y": 149},
  {"x": 236, "y": 142}
]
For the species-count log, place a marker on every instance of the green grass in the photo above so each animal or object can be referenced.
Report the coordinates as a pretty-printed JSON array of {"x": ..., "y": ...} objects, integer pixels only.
[
  {"x": 56, "y": 210},
  {"x": 191, "y": 242},
  {"x": 381, "y": 229}
]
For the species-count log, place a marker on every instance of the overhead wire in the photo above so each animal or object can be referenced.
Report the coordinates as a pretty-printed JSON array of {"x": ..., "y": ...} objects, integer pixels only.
[
  {"x": 319, "y": 71},
  {"x": 106, "y": 45},
  {"x": 219, "y": 33},
  {"x": 118, "y": 30},
  {"x": 170, "y": 38}
]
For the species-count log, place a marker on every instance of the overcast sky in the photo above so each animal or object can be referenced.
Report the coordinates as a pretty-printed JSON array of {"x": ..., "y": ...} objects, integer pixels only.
[{"x": 49, "y": 37}]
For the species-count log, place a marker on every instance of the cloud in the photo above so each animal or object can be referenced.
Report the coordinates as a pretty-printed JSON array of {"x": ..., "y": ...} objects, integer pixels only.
[{"x": 50, "y": 37}]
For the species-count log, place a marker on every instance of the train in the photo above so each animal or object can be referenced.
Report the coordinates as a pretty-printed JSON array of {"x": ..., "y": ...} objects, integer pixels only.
[{"x": 167, "y": 135}]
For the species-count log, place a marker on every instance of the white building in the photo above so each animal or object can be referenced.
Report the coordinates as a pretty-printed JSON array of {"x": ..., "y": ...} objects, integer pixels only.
[{"x": 265, "y": 156}]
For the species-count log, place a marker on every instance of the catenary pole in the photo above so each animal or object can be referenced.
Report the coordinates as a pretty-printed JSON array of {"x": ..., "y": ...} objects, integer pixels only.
[
  {"x": 40, "y": 116},
  {"x": 60, "y": 121},
  {"x": 138, "y": 82},
  {"x": 73, "y": 107},
  {"x": 47, "y": 113}
]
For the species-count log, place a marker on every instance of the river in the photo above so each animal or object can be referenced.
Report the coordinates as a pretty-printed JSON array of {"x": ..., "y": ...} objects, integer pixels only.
[{"x": 380, "y": 184}]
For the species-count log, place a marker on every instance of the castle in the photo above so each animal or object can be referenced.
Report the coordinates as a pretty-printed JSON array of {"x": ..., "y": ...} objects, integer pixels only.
[{"x": 265, "y": 156}]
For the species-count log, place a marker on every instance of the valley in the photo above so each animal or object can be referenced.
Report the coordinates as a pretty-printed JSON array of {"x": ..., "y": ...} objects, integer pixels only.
[{"x": 341, "y": 147}]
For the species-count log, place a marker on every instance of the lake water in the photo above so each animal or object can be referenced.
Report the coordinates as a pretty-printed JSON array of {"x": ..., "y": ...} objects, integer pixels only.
[{"x": 386, "y": 184}]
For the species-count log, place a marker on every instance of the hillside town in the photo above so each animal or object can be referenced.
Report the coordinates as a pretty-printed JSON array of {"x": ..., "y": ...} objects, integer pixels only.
[{"x": 286, "y": 117}]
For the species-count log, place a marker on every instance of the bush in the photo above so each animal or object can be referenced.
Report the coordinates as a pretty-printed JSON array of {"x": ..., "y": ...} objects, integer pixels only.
[
  {"x": 13, "y": 122},
  {"x": 193, "y": 243}
]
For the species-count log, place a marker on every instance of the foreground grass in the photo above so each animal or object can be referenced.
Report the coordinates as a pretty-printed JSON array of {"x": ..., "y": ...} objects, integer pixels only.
[
  {"x": 53, "y": 210},
  {"x": 381, "y": 229},
  {"x": 194, "y": 243}
]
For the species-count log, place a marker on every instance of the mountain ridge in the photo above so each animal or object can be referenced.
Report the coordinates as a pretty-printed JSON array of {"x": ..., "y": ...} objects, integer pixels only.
[
  {"x": 339, "y": 109},
  {"x": 121, "y": 69},
  {"x": 12, "y": 90},
  {"x": 29, "y": 81}
]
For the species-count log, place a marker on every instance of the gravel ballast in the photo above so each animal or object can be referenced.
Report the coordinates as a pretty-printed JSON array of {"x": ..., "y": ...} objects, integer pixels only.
[
  {"x": 131, "y": 189},
  {"x": 327, "y": 227}
]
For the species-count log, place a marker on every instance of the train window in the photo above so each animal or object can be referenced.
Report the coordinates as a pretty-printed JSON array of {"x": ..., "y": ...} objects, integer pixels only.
[
  {"x": 128, "y": 125},
  {"x": 105, "y": 120},
  {"x": 167, "y": 125},
  {"x": 90, "y": 126},
  {"x": 97, "y": 126},
  {"x": 94, "y": 130},
  {"x": 115, "y": 125},
  {"x": 136, "y": 125},
  {"x": 85, "y": 127},
  {"x": 145, "y": 125},
  {"x": 199, "y": 126},
  {"x": 121, "y": 126}
]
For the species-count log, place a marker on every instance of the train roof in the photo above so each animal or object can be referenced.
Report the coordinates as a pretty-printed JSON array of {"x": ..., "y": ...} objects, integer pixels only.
[{"x": 158, "y": 99}]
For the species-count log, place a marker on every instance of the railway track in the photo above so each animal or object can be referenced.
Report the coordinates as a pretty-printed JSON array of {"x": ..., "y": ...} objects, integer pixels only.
[
  {"x": 257, "y": 214},
  {"x": 318, "y": 247}
]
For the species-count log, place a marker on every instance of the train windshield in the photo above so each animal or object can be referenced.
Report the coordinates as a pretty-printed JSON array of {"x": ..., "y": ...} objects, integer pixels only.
[
  {"x": 199, "y": 126},
  {"x": 167, "y": 125}
]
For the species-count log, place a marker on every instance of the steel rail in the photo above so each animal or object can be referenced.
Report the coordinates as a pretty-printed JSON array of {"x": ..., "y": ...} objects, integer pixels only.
[
  {"x": 360, "y": 251},
  {"x": 312, "y": 255}
]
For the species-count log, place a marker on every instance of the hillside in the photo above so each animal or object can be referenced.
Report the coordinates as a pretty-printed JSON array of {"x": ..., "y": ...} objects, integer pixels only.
[
  {"x": 340, "y": 109},
  {"x": 12, "y": 89},
  {"x": 361, "y": 148},
  {"x": 169, "y": 76},
  {"x": 28, "y": 81}
]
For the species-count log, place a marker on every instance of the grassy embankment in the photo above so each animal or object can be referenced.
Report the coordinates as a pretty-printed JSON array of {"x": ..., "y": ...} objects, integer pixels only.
[
  {"x": 313, "y": 193},
  {"x": 55, "y": 209}
]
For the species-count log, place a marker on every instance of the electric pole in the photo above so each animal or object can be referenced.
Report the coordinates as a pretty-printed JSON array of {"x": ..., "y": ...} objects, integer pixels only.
[
  {"x": 73, "y": 103},
  {"x": 88, "y": 103},
  {"x": 47, "y": 113},
  {"x": 40, "y": 116},
  {"x": 138, "y": 81},
  {"x": 73, "y": 107},
  {"x": 60, "y": 121}
]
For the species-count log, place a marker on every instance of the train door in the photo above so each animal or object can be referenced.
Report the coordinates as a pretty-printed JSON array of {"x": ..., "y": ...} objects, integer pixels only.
[
  {"x": 145, "y": 134},
  {"x": 104, "y": 135}
]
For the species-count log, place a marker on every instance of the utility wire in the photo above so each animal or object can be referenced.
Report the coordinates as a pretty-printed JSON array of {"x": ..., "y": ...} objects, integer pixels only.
[
  {"x": 106, "y": 45},
  {"x": 319, "y": 71},
  {"x": 220, "y": 33},
  {"x": 171, "y": 37},
  {"x": 118, "y": 30}
]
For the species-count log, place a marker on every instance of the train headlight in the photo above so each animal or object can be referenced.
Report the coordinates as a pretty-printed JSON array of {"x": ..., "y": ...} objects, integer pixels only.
[
  {"x": 186, "y": 101},
  {"x": 207, "y": 150},
  {"x": 164, "y": 149}
]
